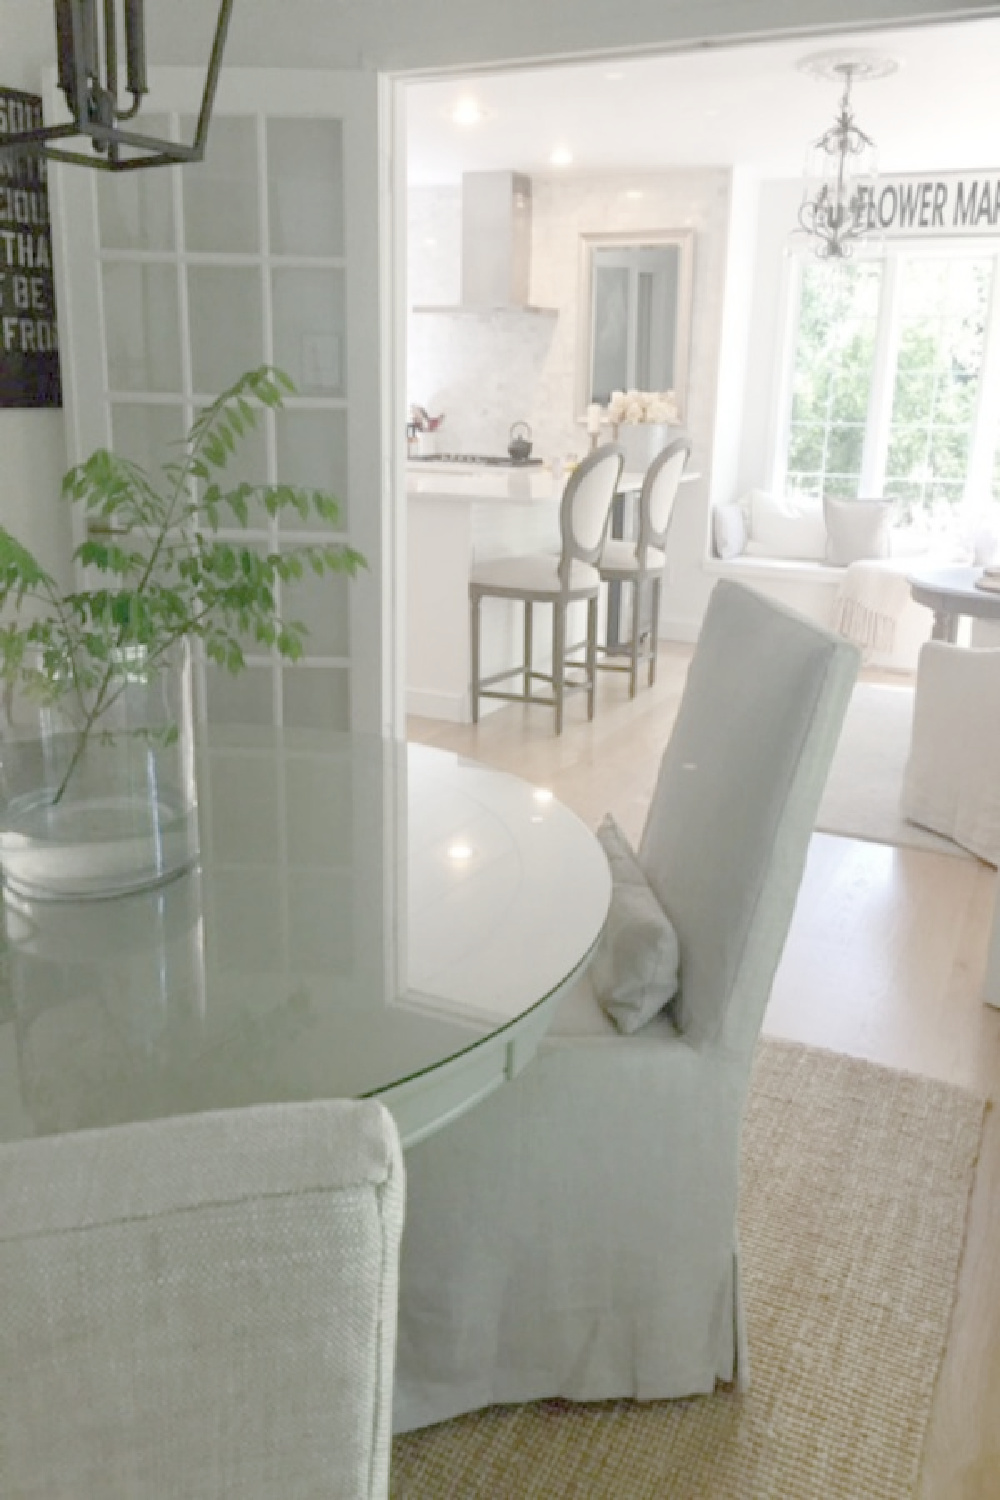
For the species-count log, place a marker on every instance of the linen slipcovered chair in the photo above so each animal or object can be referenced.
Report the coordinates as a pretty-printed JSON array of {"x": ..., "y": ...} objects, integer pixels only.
[
  {"x": 641, "y": 563},
  {"x": 575, "y": 1234},
  {"x": 951, "y": 783},
  {"x": 203, "y": 1306},
  {"x": 558, "y": 580}
]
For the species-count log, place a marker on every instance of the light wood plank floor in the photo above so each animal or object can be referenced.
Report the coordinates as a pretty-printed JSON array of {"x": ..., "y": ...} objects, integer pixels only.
[{"x": 884, "y": 960}]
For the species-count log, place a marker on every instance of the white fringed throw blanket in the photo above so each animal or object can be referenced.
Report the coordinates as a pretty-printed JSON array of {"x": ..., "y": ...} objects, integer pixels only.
[{"x": 870, "y": 601}]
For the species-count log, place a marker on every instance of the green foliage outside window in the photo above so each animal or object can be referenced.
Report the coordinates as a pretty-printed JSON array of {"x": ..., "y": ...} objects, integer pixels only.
[
  {"x": 834, "y": 360},
  {"x": 939, "y": 323}
]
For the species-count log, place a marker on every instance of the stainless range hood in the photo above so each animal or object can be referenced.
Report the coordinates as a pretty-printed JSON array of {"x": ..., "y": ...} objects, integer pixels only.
[{"x": 496, "y": 245}]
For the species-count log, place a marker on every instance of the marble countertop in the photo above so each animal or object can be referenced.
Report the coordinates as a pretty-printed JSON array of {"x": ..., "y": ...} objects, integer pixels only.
[{"x": 527, "y": 486}]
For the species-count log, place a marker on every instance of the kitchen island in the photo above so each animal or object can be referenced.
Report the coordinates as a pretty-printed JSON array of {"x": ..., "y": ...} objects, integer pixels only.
[{"x": 458, "y": 516}]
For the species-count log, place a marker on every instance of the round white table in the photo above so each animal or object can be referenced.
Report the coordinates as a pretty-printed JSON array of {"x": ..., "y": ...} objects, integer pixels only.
[
  {"x": 951, "y": 593},
  {"x": 367, "y": 919}
]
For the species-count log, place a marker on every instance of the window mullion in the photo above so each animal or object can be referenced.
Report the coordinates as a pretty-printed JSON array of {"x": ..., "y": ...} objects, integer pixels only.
[
  {"x": 986, "y": 423},
  {"x": 875, "y": 453}
]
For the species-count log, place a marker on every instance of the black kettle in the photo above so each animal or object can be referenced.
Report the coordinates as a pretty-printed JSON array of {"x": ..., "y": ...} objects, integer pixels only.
[{"x": 519, "y": 446}]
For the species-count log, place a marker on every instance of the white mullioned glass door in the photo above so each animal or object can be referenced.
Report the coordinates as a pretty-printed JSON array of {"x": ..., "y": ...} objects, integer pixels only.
[{"x": 173, "y": 281}]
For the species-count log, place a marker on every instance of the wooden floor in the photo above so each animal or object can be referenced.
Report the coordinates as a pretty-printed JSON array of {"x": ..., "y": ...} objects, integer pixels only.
[{"x": 884, "y": 960}]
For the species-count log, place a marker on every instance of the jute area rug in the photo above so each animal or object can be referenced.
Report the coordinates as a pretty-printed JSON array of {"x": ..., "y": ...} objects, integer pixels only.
[
  {"x": 855, "y": 1188},
  {"x": 861, "y": 800}
]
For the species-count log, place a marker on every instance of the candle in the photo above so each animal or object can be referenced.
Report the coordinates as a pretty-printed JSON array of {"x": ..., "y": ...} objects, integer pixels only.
[{"x": 594, "y": 415}]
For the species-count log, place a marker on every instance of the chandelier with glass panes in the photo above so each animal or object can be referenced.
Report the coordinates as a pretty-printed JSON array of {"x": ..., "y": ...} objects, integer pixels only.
[{"x": 841, "y": 166}]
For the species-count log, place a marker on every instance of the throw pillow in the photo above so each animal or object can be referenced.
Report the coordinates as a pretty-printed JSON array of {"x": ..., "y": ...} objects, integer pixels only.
[
  {"x": 856, "y": 530},
  {"x": 634, "y": 971},
  {"x": 729, "y": 530},
  {"x": 790, "y": 526}
]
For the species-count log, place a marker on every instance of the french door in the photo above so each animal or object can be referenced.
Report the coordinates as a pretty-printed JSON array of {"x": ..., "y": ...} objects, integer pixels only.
[{"x": 173, "y": 281}]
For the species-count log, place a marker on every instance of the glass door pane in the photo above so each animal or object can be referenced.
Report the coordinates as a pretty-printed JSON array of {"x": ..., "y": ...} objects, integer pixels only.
[{"x": 257, "y": 255}]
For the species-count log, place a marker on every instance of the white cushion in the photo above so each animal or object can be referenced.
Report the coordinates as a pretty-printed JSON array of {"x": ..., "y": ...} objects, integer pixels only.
[
  {"x": 634, "y": 972},
  {"x": 620, "y": 557},
  {"x": 536, "y": 573},
  {"x": 729, "y": 530},
  {"x": 785, "y": 526},
  {"x": 857, "y": 530}
]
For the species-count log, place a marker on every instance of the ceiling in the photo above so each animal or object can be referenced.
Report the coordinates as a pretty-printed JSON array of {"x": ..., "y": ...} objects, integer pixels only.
[{"x": 732, "y": 106}]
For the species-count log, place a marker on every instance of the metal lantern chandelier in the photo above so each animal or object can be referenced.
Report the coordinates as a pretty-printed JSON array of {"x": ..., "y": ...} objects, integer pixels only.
[
  {"x": 841, "y": 166},
  {"x": 101, "y": 45}
]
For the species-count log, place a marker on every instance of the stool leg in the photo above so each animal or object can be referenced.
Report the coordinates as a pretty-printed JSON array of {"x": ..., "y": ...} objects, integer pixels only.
[
  {"x": 654, "y": 628},
  {"x": 475, "y": 601},
  {"x": 636, "y": 641},
  {"x": 558, "y": 658},
  {"x": 528, "y": 646},
  {"x": 591, "y": 655}
]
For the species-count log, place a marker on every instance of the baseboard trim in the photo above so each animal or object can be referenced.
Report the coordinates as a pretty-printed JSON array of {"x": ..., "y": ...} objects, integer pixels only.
[
  {"x": 454, "y": 707},
  {"x": 679, "y": 628}
]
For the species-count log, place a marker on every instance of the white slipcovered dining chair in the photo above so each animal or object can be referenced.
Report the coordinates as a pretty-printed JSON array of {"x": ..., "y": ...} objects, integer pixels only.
[
  {"x": 951, "y": 782},
  {"x": 201, "y": 1308},
  {"x": 640, "y": 564},
  {"x": 557, "y": 580},
  {"x": 575, "y": 1234}
]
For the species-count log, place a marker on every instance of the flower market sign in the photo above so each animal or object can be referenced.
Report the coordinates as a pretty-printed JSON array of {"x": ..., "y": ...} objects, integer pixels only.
[
  {"x": 29, "y": 357},
  {"x": 966, "y": 203}
]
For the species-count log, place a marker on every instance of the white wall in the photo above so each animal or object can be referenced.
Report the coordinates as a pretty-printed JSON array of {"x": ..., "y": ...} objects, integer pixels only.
[{"x": 775, "y": 218}]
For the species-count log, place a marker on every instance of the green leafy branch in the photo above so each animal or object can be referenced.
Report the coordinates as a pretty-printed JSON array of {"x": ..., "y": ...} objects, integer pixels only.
[{"x": 166, "y": 572}]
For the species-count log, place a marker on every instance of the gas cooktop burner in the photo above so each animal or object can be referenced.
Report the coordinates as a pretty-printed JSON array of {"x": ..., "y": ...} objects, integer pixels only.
[{"x": 487, "y": 460}]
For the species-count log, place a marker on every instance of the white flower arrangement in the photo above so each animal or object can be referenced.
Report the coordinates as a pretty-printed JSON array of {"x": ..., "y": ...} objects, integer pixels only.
[{"x": 643, "y": 406}]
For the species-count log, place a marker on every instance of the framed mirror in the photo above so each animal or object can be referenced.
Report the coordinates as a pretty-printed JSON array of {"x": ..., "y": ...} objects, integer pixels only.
[{"x": 635, "y": 314}]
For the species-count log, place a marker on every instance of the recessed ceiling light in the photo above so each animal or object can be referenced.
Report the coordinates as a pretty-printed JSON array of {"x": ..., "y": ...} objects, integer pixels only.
[
  {"x": 467, "y": 111},
  {"x": 633, "y": 193},
  {"x": 459, "y": 852},
  {"x": 562, "y": 156}
]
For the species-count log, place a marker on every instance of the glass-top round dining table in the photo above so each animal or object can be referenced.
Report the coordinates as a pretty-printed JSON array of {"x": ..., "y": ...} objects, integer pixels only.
[{"x": 366, "y": 918}]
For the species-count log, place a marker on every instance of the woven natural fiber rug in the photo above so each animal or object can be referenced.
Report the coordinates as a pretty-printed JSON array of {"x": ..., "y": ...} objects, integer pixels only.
[{"x": 855, "y": 1189}]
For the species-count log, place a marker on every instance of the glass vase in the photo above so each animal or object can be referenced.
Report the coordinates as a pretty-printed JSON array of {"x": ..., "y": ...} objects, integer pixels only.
[{"x": 102, "y": 805}]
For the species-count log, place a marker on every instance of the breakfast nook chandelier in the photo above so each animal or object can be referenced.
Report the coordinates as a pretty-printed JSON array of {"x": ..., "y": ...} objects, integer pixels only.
[{"x": 841, "y": 166}]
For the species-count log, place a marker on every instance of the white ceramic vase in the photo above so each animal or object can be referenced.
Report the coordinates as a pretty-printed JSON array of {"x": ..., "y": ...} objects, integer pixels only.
[{"x": 641, "y": 442}]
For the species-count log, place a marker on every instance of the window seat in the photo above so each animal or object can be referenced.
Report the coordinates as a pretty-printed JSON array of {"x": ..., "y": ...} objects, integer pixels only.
[
  {"x": 812, "y": 589},
  {"x": 778, "y": 569},
  {"x": 754, "y": 539}
]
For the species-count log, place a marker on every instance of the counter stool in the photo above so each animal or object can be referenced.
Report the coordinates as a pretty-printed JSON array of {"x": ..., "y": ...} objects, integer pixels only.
[
  {"x": 643, "y": 561},
  {"x": 557, "y": 579}
]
